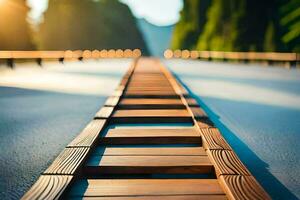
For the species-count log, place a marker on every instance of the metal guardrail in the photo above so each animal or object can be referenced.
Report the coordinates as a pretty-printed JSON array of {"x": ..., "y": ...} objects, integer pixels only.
[
  {"x": 270, "y": 57},
  {"x": 11, "y": 56}
]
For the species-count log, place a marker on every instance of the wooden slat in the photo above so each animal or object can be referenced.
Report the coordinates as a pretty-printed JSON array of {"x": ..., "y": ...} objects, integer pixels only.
[
  {"x": 148, "y": 165},
  {"x": 89, "y": 134},
  {"x": 198, "y": 113},
  {"x": 164, "y": 197},
  {"x": 147, "y": 151},
  {"x": 112, "y": 101},
  {"x": 191, "y": 102},
  {"x": 104, "y": 113},
  {"x": 226, "y": 162},
  {"x": 204, "y": 123},
  {"x": 68, "y": 161},
  {"x": 239, "y": 187},
  {"x": 151, "y": 104},
  {"x": 152, "y": 116},
  {"x": 148, "y": 84},
  {"x": 157, "y": 132},
  {"x": 152, "y": 136},
  {"x": 149, "y": 90},
  {"x": 152, "y": 113},
  {"x": 128, "y": 101},
  {"x": 145, "y": 187},
  {"x": 155, "y": 96},
  {"x": 213, "y": 139},
  {"x": 154, "y": 93},
  {"x": 48, "y": 187}
]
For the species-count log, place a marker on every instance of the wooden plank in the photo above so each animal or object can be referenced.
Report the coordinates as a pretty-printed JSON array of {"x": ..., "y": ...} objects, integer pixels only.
[
  {"x": 155, "y": 93},
  {"x": 89, "y": 134},
  {"x": 147, "y": 151},
  {"x": 152, "y": 113},
  {"x": 145, "y": 89},
  {"x": 151, "y": 104},
  {"x": 148, "y": 84},
  {"x": 204, "y": 123},
  {"x": 104, "y": 113},
  {"x": 191, "y": 102},
  {"x": 165, "y": 197},
  {"x": 154, "y": 96},
  {"x": 239, "y": 187},
  {"x": 152, "y": 116},
  {"x": 227, "y": 163},
  {"x": 157, "y": 132},
  {"x": 112, "y": 101},
  {"x": 152, "y": 136},
  {"x": 145, "y": 187},
  {"x": 48, "y": 187},
  {"x": 213, "y": 139},
  {"x": 198, "y": 113},
  {"x": 149, "y": 87},
  {"x": 98, "y": 165},
  {"x": 128, "y": 101},
  {"x": 68, "y": 161}
]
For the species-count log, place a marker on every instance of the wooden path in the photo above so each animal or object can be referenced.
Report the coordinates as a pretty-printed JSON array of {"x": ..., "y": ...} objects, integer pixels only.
[{"x": 151, "y": 140}]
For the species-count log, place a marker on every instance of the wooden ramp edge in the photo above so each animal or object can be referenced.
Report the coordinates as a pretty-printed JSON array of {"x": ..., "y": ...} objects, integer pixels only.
[{"x": 151, "y": 140}]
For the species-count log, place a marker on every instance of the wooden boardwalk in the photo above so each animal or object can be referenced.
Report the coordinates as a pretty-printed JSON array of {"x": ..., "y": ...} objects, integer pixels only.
[{"x": 151, "y": 140}]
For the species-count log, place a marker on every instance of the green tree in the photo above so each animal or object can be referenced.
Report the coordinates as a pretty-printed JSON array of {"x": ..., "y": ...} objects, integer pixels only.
[
  {"x": 14, "y": 29},
  {"x": 239, "y": 25},
  {"x": 88, "y": 24},
  {"x": 190, "y": 25},
  {"x": 291, "y": 22}
]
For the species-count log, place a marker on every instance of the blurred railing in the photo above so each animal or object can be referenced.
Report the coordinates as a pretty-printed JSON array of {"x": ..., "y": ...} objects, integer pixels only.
[
  {"x": 270, "y": 57},
  {"x": 12, "y": 56}
]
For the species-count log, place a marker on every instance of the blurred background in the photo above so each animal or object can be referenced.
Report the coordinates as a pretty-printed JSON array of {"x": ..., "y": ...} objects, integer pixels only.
[{"x": 152, "y": 26}]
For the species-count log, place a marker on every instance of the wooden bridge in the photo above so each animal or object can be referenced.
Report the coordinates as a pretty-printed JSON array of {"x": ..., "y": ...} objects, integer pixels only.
[{"x": 151, "y": 140}]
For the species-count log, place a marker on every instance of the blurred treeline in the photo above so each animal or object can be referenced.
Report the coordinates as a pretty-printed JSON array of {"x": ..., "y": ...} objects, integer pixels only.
[
  {"x": 239, "y": 25},
  {"x": 14, "y": 30},
  {"x": 71, "y": 24}
]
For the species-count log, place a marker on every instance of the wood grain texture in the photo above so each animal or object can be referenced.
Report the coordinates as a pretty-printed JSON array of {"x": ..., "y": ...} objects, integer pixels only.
[
  {"x": 89, "y": 134},
  {"x": 152, "y": 116},
  {"x": 161, "y": 96},
  {"x": 226, "y": 163},
  {"x": 213, "y": 139},
  {"x": 148, "y": 151},
  {"x": 104, "y": 113},
  {"x": 151, "y": 104},
  {"x": 145, "y": 187},
  {"x": 98, "y": 165},
  {"x": 151, "y": 197},
  {"x": 68, "y": 161},
  {"x": 204, "y": 123},
  {"x": 152, "y": 136},
  {"x": 128, "y": 101},
  {"x": 239, "y": 187},
  {"x": 147, "y": 93},
  {"x": 152, "y": 113},
  {"x": 198, "y": 113},
  {"x": 48, "y": 187},
  {"x": 155, "y": 132}
]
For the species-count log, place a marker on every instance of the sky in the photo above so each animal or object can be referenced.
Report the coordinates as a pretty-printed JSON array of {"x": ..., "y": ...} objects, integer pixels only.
[{"x": 158, "y": 12}]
